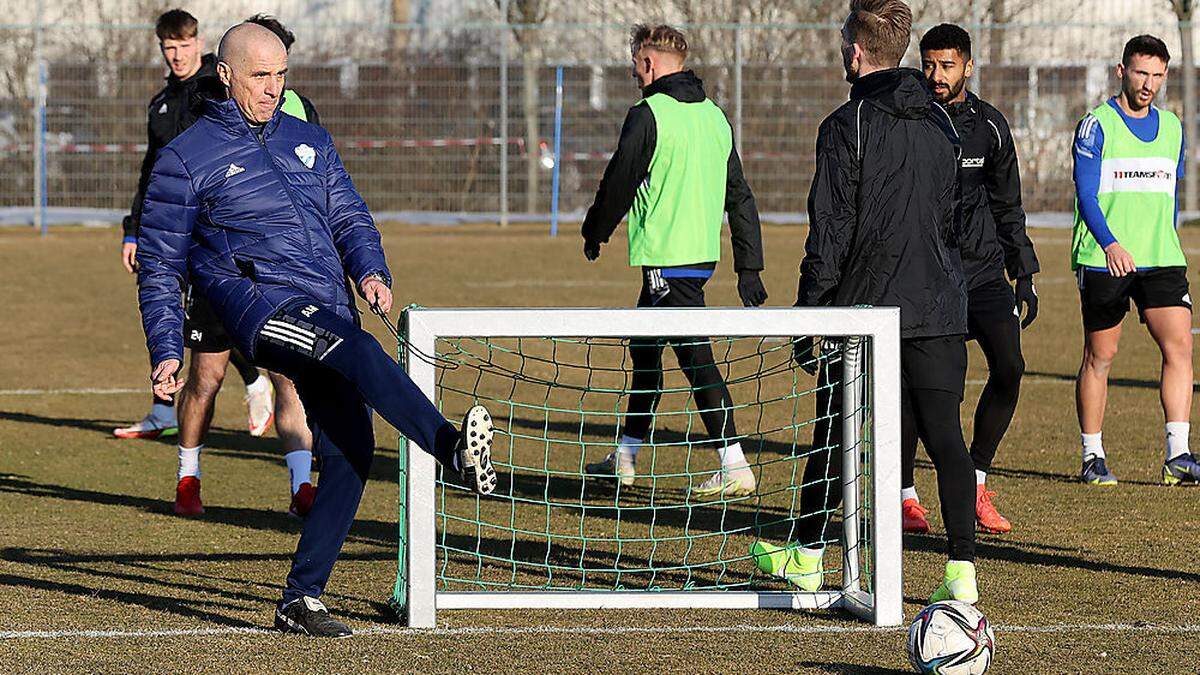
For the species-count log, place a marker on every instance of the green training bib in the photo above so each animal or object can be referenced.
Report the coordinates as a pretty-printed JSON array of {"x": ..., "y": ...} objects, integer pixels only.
[
  {"x": 678, "y": 210},
  {"x": 293, "y": 106},
  {"x": 1137, "y": 194}
]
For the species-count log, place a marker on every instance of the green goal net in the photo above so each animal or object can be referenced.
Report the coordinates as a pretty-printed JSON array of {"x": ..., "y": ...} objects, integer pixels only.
[{"x": 554, "y": 535}]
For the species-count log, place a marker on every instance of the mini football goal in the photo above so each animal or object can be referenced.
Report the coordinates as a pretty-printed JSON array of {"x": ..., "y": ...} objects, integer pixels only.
[{"x": 560, "y": 534}]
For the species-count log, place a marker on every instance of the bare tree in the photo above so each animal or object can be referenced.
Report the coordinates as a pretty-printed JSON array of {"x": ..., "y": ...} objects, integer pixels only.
[
  {"x": 525, "y": 17},
  {"x": 1191, "y": 182}
]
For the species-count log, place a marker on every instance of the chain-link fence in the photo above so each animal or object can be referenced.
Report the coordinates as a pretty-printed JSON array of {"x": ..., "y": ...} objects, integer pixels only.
[{"x": 460, "y": 119}]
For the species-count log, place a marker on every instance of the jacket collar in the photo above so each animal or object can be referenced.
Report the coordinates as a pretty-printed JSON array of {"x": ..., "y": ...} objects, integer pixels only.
[
  {"x": 900, "y": 92},
  {"x": 683, "y": 86},
  {"x": 966, "y": 105},
  {"x": 228, "y": 115}
]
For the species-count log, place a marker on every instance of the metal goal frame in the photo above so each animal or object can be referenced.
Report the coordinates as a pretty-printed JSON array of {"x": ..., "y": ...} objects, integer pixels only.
[{"x": 877, "y": 348}]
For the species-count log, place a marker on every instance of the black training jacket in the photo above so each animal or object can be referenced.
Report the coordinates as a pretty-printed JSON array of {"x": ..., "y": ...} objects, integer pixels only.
[
  {"x": 631, "y": 163},
  {"x": 171, "y": 111},
  {"x": 993, "y": 238},
  {"x": 882, "y": 222}
]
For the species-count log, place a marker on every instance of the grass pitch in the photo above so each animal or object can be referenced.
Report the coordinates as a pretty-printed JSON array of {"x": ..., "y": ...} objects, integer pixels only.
[{"x": 1090, "y": 580}]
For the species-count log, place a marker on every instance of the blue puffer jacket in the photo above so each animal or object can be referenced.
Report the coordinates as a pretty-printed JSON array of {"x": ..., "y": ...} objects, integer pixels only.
[{"x": 257, "y": 221}]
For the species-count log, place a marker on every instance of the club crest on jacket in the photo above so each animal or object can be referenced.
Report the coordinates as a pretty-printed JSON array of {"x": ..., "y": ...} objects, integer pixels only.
[{"x": 306, "y": 154}]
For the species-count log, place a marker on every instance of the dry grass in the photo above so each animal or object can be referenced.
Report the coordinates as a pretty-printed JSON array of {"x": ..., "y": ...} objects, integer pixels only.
[{"x": 88, "y": 541}]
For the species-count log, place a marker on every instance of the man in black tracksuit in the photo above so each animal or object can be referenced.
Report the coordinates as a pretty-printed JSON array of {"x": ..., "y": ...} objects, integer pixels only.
[
  {"x": 677, "y": 168},
  {"x": 882, "y": 228},
  {"x": 193, "y": 79},
  {"x": 992, "y": 241}
]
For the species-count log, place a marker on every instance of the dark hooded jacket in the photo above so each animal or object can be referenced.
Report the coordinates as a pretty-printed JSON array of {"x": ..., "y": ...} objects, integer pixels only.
[
  {"x": 993, "y": 222},
  {"x": 172, "y": 110},
  {"x": 630, "y": 165},
  {"x": 882, "y": 208}
]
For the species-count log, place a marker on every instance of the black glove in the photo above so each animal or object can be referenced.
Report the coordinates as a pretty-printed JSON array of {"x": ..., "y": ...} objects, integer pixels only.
[
  {"x": 750, "y": 289},
  {"x": 591, "y": 249},
  {"x": 1027, "y": 295},
  {"x": 804, "y": 353}
]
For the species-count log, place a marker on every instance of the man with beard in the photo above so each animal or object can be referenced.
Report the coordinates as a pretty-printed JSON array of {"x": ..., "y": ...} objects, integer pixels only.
[
  {"x": 881, "y": 232},
  {"x": 1129, "y": 156},
  {"x": 992, "y": 241}
]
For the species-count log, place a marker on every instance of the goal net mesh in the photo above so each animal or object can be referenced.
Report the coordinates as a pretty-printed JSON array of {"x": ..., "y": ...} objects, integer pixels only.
[{"x": 559, "y": 404}]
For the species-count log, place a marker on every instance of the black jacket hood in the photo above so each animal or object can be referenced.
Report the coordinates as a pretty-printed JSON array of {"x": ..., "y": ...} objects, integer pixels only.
[
  {"x": 900, "y": 92},
  {"x": 683, "y": 86}
]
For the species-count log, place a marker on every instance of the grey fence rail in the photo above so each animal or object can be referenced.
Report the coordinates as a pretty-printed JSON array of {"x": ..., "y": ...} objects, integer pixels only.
[{"x": 418, "y": 119}]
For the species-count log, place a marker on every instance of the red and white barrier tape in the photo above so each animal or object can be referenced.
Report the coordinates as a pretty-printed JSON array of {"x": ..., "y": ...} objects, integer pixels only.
[{"x": 364, "y": 144}]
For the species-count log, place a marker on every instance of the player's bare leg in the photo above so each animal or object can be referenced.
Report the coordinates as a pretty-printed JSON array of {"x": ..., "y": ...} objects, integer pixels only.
[
  {"x": 292, "y": 427},
  {"x": 1091, "y": 397},
  {"x": 1171, "y": 328},
  {"x": 206, "y": 374}
]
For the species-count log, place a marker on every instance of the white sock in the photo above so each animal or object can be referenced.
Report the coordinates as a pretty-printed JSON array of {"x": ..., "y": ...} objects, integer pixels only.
[
  {"x": 258, "y": 386},
  {"x": 162, "y": 412},
  {"x": 812, "y": 552},
  {"x": 980, "y": 477},
  {"x": 1177, "y": 439},
  {"x": 1092, "y": 447},
  {"x": 629, "y": 447},
  {"x": 731, "y": 455},
  {"x": 189, "y": 461},
  {"x": 909, "y": 493},
  {"x": 299, "y": 464}
]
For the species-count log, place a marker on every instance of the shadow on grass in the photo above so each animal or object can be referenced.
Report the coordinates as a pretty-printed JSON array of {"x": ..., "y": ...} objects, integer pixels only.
[
  {"x": 848, "y": 668},
  {"x": 219, "y": 441},
  {"x": 998, "y": 549},
  {"x": 376, "y": 532},
  {"x": 1031, "y": 474},
  {"x": 199, "y": 596},
  {"x": 1112, "y": 381},
  {"x": 605, "y": 433}
]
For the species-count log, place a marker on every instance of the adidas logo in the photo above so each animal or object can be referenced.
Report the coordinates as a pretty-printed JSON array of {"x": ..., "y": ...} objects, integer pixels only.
[
  {"x": 162, "y": 110},
  {"x": 233, "y": 170}
]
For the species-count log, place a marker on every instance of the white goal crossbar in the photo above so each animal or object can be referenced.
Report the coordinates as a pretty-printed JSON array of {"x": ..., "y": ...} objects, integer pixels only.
[{"x": 880, "y": 604}]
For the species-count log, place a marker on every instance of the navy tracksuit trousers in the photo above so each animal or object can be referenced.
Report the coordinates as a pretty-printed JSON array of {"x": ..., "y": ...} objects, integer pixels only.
[{"x": 341, "y": 373}]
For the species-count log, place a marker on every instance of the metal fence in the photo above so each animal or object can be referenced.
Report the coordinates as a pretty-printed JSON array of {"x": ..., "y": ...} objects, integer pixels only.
[{"x": 444, "y": 122}]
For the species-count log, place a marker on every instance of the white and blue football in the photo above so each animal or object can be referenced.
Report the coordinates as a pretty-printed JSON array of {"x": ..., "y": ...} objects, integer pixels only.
[{"x": 951, "y": 638}]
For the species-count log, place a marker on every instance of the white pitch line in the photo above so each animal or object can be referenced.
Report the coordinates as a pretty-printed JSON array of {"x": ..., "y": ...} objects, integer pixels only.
[
  {"x": 557, "y": 630},
  {"x": 55, "y": 392}
]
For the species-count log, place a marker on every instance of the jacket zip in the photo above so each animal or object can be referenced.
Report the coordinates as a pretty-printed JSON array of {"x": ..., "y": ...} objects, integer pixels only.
[{"x": 262, "y": 143}]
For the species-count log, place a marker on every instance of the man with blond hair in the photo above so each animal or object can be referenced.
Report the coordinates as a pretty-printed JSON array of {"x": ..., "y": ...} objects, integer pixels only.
[
  {"x": 881, "y": 232},
  {"x": 676, "y": 172}
]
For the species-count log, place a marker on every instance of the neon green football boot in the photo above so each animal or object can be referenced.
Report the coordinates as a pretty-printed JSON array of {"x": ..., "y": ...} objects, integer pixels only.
[
  {"x": 790, "y": 563},
  {"x": 959, "y": 584}
]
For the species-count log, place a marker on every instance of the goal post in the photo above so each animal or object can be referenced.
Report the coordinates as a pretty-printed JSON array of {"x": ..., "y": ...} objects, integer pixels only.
[{"x": 557, "y": 383}]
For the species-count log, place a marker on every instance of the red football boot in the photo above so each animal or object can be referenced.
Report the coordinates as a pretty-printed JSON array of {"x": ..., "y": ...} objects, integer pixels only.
[
  {"x": 988, "y": 517},
  {"x": 912, "y": 517},
  {"x": 302, "y": 501},
  {"x": 187, "y": 497}
]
